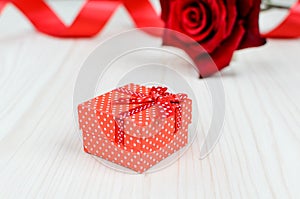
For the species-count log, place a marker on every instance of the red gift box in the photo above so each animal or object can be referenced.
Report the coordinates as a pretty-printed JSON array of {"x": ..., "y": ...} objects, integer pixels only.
[{"x": 135, "y": 126}]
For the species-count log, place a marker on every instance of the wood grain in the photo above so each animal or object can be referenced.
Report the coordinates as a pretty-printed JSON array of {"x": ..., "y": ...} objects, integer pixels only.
[{"x": 258, "y": 155}]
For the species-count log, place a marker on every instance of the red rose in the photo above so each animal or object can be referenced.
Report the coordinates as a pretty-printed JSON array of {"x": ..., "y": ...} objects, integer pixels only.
[{"x": 219, "y": 26}]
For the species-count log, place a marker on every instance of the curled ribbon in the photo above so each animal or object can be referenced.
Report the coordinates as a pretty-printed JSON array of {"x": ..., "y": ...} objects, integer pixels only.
[
  {"x": 168, "y": 103},
  {"x": 289, "y": 27},
  {"x": 95, "y": 13},
  {"x": 90, "y": 20}
]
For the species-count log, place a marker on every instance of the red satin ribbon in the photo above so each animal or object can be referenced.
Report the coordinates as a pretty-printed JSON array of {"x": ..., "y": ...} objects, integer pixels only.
[
  {"x": 290, "y": 27},
  {"x": 95, "y": 14},
  {"x": 2, "y": 5},
  {"x": 90, "y": 20},
  {"x": 168, "y": 103}
]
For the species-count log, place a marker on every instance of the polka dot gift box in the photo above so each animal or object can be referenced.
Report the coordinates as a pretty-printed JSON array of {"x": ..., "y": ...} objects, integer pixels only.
[{"x": 135, "y": 126}]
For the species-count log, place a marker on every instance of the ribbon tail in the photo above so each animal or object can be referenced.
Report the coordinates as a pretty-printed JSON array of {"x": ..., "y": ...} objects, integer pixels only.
[
  {"x": 2, "y": 5},
  {"x": 92, "y": 18},
  {"x": 87, "y": 23},
  {"x": 37, "y": 10},
  {"x": 144, "y": 15},
  {"x": 290, "y": 27}
]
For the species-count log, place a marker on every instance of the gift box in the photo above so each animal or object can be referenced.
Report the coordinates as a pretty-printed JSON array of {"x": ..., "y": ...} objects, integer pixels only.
[{"x": 135, "y": 126}]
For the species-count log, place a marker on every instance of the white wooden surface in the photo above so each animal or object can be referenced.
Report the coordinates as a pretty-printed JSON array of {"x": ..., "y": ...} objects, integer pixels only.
[{"x": 258, "y": 155}]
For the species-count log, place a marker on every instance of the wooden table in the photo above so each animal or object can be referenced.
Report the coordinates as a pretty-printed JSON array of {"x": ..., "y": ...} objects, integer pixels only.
[{"x": 258, "y": 155}]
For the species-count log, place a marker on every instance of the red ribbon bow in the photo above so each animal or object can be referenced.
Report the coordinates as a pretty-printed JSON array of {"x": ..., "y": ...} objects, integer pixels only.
[{"x": 168, "y": 103}]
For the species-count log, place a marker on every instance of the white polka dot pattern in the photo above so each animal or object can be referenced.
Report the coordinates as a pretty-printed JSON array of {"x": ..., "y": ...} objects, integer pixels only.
[{"x": 146, "y": 138}]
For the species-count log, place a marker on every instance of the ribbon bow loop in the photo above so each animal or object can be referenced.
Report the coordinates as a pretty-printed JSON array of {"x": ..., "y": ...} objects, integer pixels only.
[{"x": 168, "y": 105}]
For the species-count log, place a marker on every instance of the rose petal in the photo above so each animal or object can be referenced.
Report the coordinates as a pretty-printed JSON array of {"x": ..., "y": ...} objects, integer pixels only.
[
  {"x": 182, "y": 41},
  {"x": 203, "y": 29},
  {"x": 217, "y": 35},
  {"x": 165, "y": 11},
  {"x": 172, "y": 18},
  {"x": 252, "y": 36},
  {"x": 195, "y": 25},
  {"x": 231, "y": 16},
  {"x": 222, "y": 55},
  {"x": 244, "y": 7}
]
